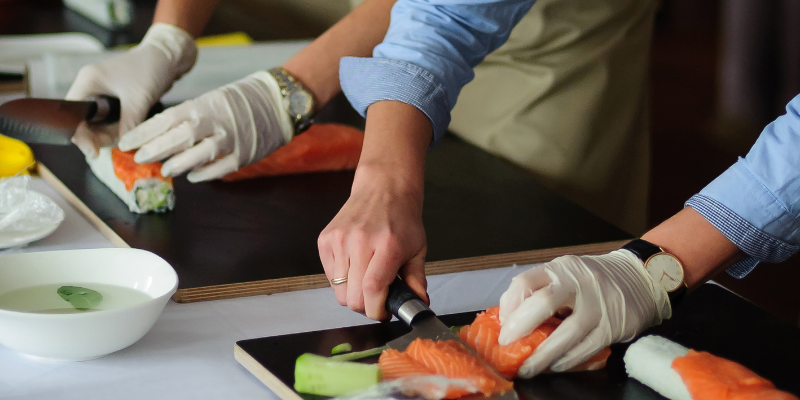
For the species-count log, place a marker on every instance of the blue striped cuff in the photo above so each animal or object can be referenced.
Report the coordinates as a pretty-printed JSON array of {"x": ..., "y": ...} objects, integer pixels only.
[
  {"x": 368, "y": 80},
  {"x": 757, "y": 245}
]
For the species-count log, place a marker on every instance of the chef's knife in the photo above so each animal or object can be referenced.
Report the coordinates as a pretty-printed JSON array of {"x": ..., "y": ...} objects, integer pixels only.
[
  {"x": 51, "y": 121},
  {"x": 404, "y": 304}
]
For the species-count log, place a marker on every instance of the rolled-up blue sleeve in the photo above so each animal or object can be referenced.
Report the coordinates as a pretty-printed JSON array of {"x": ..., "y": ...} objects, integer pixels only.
[
  {"x": 428, "y": 54},
  {"x": 756, "y": 202}
]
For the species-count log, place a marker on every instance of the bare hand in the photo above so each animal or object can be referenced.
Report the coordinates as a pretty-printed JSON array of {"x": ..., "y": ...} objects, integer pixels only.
[{"x": 375, "y": 235}]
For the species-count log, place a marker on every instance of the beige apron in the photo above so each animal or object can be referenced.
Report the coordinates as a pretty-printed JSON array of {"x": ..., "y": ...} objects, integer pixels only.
[{"x": 566, "y": 97}]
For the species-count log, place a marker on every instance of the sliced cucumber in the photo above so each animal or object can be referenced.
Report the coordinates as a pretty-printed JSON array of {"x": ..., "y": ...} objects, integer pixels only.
[{"x": 323, "y": 376}]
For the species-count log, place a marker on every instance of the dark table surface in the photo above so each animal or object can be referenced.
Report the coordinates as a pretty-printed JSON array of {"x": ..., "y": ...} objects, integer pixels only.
[
  {"x": 221, "y": 233},
  {"x": 710, "y": 319}
]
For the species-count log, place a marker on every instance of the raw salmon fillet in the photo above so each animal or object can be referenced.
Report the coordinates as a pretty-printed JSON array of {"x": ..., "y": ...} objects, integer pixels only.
[
  {"x": 708, "y": 377},
  {"x": 129, "y": 171},
  {"x": 447, "y": 358},
  {"x": 483, "y": 333},
  {"x": 323, "y": 147}
]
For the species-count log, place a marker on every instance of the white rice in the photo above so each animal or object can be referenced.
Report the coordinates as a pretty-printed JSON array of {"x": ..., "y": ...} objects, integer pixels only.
[{"x": 649, "y": 360}]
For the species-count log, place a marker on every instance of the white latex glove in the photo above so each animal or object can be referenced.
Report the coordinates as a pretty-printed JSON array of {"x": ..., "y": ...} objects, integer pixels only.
[
  {"x": 217, "y": 132},
  {"x": 612, "y": 299},
  {"x": 138, "y": 77}
]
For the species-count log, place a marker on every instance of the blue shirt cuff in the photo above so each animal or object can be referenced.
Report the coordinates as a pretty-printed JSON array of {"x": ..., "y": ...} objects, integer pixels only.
[
  {"x": 758, "y": 246},
  {"x": 368, "y": 80}
]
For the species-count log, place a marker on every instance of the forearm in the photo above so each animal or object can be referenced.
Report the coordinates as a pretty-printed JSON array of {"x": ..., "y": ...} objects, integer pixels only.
[
  {"x": 396, "y": 139},
  {"x": 189, "y": 15},
  {"x": 356, "y": 35},
  {"x": 702, "y": 249}
]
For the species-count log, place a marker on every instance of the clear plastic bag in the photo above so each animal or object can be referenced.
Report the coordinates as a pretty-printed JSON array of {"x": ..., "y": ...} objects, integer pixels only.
[
  {"x": 428, "y": 387},
  {"x": 24, "y": 210}
]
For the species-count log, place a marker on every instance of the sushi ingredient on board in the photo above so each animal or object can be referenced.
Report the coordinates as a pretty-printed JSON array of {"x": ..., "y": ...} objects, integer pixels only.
[
  {"x": 323, "y": 147},
  {"x": 324, "y": 376},
  {"x": 342, "y": 348},
  {"x": 140, "y": 186},
  {"x": 679, "y": 373},
  {"x": 447, "y": 358},
  {"x": 16, "y": 157},
  {"x": 482, "y": 335}
]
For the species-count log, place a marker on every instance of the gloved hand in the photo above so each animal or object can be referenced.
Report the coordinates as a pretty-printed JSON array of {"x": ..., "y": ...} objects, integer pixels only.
[
  {"x": 138, "y": 77},
  {"x": 612, "y": 299},
  {"x": 217, "y": 132}
]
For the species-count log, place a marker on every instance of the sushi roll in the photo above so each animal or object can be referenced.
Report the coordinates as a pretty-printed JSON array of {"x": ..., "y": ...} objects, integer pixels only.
[
  {"x": 679, "y": 373},
  {"x": 140, "y": 186}
]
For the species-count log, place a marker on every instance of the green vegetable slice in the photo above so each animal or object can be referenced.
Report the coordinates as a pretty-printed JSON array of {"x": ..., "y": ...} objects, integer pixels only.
[
  {"x": 325, "y": 376},
  {"x": 342, "y": 348},
  {"x": 359, "y": 354},
  {"x": 81, "y": 298}
]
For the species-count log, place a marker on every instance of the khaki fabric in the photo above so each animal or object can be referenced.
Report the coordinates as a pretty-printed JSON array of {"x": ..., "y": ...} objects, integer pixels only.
[{"x": 566, "y": 97}]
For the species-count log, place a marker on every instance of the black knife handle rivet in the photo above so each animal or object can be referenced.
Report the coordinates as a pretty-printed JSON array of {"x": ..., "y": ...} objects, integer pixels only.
[{"x": 404, "y": 304}]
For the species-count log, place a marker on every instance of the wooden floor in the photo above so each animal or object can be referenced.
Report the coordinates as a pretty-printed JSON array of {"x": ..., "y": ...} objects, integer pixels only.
[{"x": 684, "y": 78}]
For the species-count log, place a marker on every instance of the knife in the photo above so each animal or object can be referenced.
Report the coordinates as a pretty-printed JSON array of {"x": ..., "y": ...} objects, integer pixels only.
[
  {"x": 52, "y": 121},
  {"x": 404, "y": 304}
]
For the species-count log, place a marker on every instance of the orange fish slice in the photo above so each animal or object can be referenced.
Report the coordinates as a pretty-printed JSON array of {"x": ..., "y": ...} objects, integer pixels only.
[
  {"x": 483, "y": 333},
  {"x": 708, "y": 377},
  {"x": 447, "y": 358},
  {"x": 323, "y": 147},
  {"x": 129, "y": 171}
]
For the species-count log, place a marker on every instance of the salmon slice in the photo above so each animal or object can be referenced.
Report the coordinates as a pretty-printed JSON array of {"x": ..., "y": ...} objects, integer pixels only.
[
  {"x": 323, "y": 147},
  {"x": 707, "y": 376},
  {"x": 129, "y": 171},
  {"x": 447, "y": 358},
  {"x": 483, "y": 333}
]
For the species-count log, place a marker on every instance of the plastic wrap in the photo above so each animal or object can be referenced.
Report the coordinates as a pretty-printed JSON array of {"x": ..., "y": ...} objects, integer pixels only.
[
  {"x": 429, "y": 387},
  {"x": 24, "y": 210}
]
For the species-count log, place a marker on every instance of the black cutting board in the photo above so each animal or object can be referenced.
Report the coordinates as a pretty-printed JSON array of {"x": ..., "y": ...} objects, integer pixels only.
[
  {"x": 222, "y": 233},
  {"x": 710, "y": 319}
]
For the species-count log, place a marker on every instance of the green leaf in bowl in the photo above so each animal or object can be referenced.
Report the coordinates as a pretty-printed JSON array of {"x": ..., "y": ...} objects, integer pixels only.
[{"x": 81, "y": 298}]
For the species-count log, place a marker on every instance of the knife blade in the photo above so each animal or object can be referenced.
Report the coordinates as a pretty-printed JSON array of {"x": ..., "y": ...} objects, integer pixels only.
[
  {"x": 404, "y": 304},
  {"x": 52, "y": 121}
]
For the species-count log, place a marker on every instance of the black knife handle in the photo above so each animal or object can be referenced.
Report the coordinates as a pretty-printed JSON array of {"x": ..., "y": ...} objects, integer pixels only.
[
  {"x": 404, "y": 304},
  {"x": 106, "y": 110}
]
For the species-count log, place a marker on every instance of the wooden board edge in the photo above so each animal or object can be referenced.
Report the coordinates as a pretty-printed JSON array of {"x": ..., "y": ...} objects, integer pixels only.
[
  {"x": 82, "y": 208},
  {"x": 263, "y": 375},
  {"x": 271, "y": 286}
]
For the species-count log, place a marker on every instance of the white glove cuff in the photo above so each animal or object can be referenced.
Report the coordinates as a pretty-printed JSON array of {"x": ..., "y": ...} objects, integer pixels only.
[
  {"x": 176, "y": 44},
  {"x": 274, "y": 90},
  {"x": 657, "y": 292}
]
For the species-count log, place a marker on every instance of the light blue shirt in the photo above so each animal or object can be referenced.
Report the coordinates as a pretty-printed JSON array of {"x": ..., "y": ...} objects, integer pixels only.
[
  {"x": 756, "y": 202},
  {"x": 428, "y": 54}
]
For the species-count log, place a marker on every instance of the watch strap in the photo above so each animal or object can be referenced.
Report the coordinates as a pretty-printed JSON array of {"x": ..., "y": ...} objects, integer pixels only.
[{"x": 642, "y": 249}]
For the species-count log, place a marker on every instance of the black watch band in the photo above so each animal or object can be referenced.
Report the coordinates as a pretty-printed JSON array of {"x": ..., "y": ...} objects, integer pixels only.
[{"x": 644, "y": 250}]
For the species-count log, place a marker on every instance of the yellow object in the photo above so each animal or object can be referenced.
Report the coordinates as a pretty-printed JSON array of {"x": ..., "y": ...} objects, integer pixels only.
[
  {"x": 226, "y": 39},
  {"x": 15, "y": 157}
]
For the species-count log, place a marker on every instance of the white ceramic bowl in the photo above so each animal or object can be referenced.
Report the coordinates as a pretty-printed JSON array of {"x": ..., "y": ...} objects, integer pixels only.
[{"x": 83, "y": 336}]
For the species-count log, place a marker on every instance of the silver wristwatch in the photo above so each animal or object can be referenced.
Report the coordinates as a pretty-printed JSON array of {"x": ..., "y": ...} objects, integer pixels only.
[{"x": 297, "y": 99}]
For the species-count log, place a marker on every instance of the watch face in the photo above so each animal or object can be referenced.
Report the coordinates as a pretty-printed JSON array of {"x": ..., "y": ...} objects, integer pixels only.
[
  {"x": 666, "y": 270},
  {"x": 300, "y": 103}
]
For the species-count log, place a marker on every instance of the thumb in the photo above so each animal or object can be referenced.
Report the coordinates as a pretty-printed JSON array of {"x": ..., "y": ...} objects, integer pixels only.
[
  {"x": 413, "y": 273},
  {"x": 132, "y": 113},
  {"x": 87, "y": 84}
]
